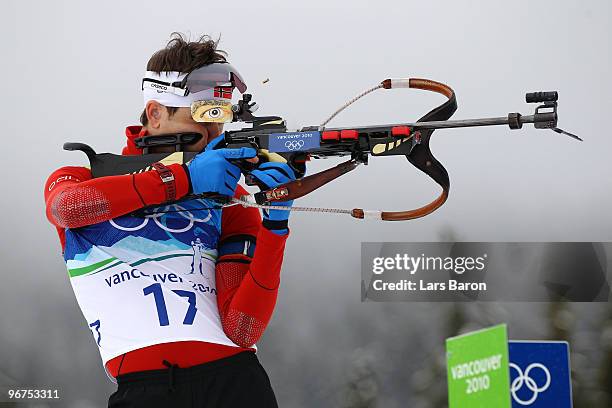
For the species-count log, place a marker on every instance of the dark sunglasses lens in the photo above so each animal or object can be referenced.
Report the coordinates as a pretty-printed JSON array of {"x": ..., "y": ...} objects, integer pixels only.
[{"x": 210, "y": 76}]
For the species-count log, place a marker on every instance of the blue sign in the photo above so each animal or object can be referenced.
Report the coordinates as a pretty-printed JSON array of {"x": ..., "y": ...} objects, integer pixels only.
[
  {"x": 540, "y": 374},
  {"x": 294, "y": 141}
]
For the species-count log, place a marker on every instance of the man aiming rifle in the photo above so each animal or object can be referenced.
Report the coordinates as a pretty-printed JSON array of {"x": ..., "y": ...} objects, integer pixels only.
[{"x": 169, "y": 336}]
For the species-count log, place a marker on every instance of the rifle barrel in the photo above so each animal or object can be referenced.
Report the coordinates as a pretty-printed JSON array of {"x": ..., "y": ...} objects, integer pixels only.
[{"x": 446, "y": 124}]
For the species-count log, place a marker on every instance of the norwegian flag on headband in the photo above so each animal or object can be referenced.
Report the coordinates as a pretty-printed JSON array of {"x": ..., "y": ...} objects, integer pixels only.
[{"x": 223, "y": 92}]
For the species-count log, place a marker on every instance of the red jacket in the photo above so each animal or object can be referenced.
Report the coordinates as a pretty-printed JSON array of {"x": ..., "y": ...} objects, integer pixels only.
[{"x": 246, "y": 288}]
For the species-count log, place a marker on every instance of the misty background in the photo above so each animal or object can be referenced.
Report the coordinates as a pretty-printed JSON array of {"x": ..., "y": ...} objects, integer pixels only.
[{"x": 71, "y": 71}]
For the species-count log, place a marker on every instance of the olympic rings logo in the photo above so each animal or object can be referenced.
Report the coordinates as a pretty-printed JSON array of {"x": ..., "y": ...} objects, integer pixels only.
[
  {"x": 294, "y": 144},
  {"x": 157, "y": 216},
  {"x": 523, "y": 378}
]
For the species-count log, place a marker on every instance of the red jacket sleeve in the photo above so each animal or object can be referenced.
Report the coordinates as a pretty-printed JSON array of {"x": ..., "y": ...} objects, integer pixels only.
[
  {"x": 247, "y": 288},
  {"x": 74, "y": 199}
]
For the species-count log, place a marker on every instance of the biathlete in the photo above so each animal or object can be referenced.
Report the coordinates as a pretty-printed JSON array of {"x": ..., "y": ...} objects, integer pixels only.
[{"x": 173, "y": 330}]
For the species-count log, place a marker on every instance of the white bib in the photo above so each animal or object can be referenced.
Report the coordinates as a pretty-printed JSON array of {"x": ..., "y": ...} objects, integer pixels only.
[{"x": 146, "y": 281}]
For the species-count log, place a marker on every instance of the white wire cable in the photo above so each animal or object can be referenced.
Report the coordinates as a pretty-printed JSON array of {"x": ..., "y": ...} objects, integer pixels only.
[
  {"x": 346, "y": 105},
  {"x": 246, "y": 201}
]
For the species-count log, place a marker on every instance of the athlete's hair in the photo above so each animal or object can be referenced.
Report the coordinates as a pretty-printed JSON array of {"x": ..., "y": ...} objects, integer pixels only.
[{"x": 183, "y": 56}]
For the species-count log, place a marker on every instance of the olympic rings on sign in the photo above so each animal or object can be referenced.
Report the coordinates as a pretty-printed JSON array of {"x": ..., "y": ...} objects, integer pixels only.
[
  {"x": 294, "y": 144},
  {"x": 524, "y": 378}
]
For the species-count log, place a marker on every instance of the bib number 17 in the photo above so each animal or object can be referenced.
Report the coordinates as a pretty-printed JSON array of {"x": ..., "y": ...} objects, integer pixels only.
[{"x": 160, "y": 303}]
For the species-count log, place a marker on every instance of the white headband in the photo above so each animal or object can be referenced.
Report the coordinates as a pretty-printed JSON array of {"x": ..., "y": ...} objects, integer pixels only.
[{"x": 171, "y": 96}]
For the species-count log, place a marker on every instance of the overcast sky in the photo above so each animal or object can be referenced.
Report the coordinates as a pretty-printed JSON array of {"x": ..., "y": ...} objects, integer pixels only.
[{"x": 72, "y": 69}]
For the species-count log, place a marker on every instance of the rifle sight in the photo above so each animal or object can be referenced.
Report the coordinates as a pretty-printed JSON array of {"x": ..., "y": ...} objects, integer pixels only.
[{"x": 537, "y": 97}]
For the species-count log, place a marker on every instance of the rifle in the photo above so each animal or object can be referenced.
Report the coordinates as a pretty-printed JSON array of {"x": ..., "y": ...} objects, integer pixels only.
[{"x": 269, "y": 135}]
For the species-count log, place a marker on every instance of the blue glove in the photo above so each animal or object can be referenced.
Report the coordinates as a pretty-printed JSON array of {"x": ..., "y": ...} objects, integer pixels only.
[
  {"x": 211, "y": 171},
  {"x": 273, "y": 174}
]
